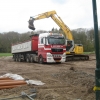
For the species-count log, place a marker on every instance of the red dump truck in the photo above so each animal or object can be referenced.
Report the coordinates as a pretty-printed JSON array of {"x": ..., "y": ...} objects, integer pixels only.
[{"x": 45, "y": 47}]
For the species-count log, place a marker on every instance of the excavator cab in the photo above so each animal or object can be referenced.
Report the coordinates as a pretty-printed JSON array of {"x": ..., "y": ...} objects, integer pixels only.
[
  {"x": 69, "y": 46},
  {"x": 31, "y": 25}
]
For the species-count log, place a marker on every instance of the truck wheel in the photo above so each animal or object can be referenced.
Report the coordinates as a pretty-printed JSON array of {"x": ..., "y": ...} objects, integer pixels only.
[
  {"x": 19, "y": 58},
  {"x": 40, "y": 60},
  {"x": 28, "y": 58},
  {"x": 16, "y": 58},
  {"x": 23, "y": 58},
  {"x": 31, "y": 59}
]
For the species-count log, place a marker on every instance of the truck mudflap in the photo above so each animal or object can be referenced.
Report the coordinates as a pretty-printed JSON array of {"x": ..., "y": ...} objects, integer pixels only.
[{"x": 77, "y": 57}]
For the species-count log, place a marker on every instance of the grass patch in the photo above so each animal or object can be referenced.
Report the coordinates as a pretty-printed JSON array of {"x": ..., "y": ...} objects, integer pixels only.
[
  {"x": 89, "y": 52},
  {"x": 5, "y": 54}
]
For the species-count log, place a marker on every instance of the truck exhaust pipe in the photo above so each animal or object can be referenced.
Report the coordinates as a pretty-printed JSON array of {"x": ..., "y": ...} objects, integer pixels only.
[{"x": 31, "y": 25}]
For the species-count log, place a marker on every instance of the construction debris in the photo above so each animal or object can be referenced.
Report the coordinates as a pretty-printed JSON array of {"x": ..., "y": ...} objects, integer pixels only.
[
  {"x": 26, "y": 95},
  {"x": 6, "y": 83},
  {"x": 36, "y": 82},
  {"x": 13, "y": 80},
  {"x": 12, "y": 76},
  {"x": 5, "y": 78},
  {"x": 23, "y": 95}
]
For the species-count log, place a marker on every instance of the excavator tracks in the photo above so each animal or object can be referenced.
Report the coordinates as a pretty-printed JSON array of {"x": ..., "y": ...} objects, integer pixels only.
[{"x": 77, "y": 58}]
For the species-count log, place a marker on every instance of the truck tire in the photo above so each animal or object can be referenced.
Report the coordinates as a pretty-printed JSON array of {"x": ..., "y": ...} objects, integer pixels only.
[
  {"x": 40, "y": 60},
  {"x": 19, "y": 58},
  {"x": 28, "y": 58},
  {"x": 32, "y": 58},
  {"x": 16, "y": 58},
  {"x": 23, "y": 58}
]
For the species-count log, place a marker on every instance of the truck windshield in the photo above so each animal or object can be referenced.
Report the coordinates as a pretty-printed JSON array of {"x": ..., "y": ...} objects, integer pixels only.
[{"x": 58, "y": 40}]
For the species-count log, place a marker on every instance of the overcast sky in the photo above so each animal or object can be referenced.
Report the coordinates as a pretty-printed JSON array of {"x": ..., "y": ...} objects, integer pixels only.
[{"x": 14, "y": 14}]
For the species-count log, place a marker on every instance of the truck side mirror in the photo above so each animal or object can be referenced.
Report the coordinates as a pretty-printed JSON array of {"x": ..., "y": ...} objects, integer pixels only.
[{"x": 45, "y": 40}]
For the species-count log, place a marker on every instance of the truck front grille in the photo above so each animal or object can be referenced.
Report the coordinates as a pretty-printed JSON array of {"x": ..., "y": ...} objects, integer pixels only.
[
  {"x": 56, "y": 56},
  {"x": 57, "y": 50}
]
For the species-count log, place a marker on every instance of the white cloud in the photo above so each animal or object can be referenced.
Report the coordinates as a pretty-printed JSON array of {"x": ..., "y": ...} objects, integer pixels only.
[{"x": 14, "y": 14}]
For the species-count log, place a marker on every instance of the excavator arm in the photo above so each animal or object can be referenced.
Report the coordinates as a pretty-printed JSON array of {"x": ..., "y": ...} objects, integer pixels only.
[{"x": 56, "y": 19}]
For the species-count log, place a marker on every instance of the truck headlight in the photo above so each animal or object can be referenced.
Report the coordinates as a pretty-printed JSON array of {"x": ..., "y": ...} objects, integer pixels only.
[
  {"x": 49, "y": 55},
  {"x": 64, "y": 55}
]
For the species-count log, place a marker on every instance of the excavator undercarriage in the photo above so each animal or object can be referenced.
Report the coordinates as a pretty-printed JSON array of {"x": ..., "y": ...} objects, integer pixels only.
[{"x": 77, "y": 57}]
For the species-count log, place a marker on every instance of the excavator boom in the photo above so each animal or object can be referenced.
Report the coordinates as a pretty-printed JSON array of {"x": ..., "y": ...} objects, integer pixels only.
[{"x": 57, "y": 20}]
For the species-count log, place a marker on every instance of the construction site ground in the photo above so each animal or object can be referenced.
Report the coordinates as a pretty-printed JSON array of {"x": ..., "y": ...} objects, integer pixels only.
[{"x": 73, "y": 80}]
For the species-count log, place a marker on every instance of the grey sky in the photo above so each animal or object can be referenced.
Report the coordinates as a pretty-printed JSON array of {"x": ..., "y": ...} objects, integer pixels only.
[
  {"x": 14, "y": 14},
  {"x": 59, "y": 1}
]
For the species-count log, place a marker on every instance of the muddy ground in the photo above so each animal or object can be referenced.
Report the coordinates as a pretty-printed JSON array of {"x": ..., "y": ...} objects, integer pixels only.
[{"x": 72, "y": 80}]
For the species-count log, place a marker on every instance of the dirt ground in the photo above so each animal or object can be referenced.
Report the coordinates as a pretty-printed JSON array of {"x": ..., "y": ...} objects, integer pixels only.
[{"x": 72, "y": 80}]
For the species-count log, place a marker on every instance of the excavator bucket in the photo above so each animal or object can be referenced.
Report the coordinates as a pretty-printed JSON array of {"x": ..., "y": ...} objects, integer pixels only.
[{"x": 31, "y": 25}]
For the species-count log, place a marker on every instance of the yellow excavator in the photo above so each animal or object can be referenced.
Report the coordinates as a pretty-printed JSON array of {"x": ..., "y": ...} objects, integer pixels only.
[{"x": 73, "y": 51}]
